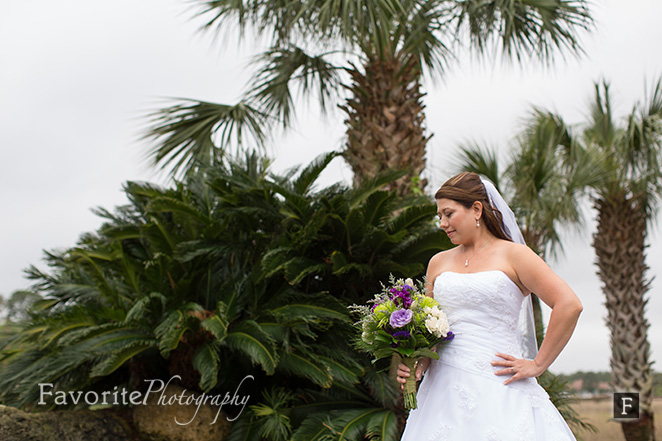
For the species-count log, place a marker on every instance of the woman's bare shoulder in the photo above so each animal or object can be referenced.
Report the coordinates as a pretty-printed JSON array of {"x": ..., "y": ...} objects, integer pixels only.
[
  {"x": 437, "y": 263},
  {"x": 441, "y": 256},
  {"x": 516, "y": 251}
]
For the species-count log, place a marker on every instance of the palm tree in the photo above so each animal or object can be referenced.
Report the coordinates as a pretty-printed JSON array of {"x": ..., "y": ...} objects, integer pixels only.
[
  {"x": 372, "y": 53},
  {"x": 547, "y": 175},
  {"x": 623, "y": 166},
  {"x": 626, "y": 201},
  {"x": 544, "y": 181}
]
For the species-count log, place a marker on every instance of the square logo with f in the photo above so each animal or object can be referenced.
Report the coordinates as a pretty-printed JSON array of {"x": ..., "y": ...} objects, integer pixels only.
[{"x": 626, "y": 405}]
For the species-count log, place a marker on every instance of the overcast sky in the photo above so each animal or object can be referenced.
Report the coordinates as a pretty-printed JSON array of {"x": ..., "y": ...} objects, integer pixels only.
[{"x": 78, "y": 77}]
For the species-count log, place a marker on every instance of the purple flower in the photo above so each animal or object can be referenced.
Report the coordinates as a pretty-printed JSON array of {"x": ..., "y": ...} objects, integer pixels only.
[
  {"x": 401, "y": 297},
  {"x": 401, "y": 335},
  {"x": 450, "y": 336},
  {"x": 400, "y": 318}
]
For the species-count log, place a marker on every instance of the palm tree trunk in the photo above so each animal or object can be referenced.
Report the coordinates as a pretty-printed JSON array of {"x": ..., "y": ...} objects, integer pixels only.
[
  {"x": 385, "y": 122},
  {"x": 619, "y": 245}
]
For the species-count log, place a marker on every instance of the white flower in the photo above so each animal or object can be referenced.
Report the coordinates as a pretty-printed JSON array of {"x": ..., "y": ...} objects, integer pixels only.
[
  {"x": 409, "y": 282},
  {"x": 438, "y": 326},
  {"x": 431, "y": 324},
  {"x": 427, "y": 310}
]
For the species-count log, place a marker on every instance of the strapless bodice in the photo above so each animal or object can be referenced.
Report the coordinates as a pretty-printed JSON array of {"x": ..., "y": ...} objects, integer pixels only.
[{"x": 483, "y": 309}]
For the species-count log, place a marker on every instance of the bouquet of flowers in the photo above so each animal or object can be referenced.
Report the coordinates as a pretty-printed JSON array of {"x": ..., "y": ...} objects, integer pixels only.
[{"x": 402, "y": 320}]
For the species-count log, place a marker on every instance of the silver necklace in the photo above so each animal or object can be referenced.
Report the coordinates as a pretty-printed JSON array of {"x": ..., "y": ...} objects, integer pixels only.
[{"x": 466, "y": 261}]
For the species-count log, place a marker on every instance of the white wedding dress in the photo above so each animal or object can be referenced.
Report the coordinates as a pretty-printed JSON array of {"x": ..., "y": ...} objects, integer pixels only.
[{"x": 460, "y": 398}]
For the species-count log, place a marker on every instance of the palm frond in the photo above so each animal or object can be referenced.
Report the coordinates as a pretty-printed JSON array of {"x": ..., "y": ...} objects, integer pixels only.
[
  {"x": 355, "y": 21},
  {"x": 121, "y": 356},
  {"x": 419, "y": 36},
  {"x": 206, "y": 361},
  {"x": 283, "y": 68},
  {"x": 348, "y": 424},
  {"x": 199, "y": 133},
  {"x": 166, "y": 204},
  {"x": 273, "y": 414},
  {"x": 382, "y": 388},
  {"x": 249, "y": 338},
  {"x": 217, "y": 324},
  {"x": 170, "y": 331},
  {"x": 280, "y": 17},
  {"x": 311, "y": 308},
  {"x": 524, "y": 28},
  {"x": 369, "y": 186},
  {"x": 309, "y": 175},
  {"x": 306, "y": 366},
  {"x": 345, "y": 370},
  {"x": 411, "y": 216},
  {"x": 245, "y": 429},
  {"x": 481, "y": 160},
  {"x": 383, "y": 426},
  {"x": 601, "y": 128}
]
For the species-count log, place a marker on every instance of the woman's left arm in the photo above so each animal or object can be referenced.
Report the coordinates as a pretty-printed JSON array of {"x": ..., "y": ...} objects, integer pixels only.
[{"x": 539, "y": 278}]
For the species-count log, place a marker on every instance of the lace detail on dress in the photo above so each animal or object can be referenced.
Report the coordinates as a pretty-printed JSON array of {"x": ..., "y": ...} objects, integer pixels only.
[
  {"x": 442, "y": 433},
  {"x": 500, "y": 298},
  {"x": 467, "y": 398},
  {"x": 499, "y": 305},
  {"x": 539, "y": 399},
  {"x": 492, "y": 435},
  {"x": 524, "y": 429}
]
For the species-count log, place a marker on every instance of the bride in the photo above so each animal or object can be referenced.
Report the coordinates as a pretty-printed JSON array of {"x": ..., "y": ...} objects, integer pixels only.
[{"x": 483, "y": 386}]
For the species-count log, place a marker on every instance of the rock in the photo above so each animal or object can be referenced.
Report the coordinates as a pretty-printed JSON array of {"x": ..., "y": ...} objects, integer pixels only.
[
  {"x": 77, "y": 425},
  {"x": 156, "y": 421}
]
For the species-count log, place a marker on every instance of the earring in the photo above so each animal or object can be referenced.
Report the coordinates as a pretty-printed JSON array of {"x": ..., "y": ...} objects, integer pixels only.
[{"x": 477, "y": 223}]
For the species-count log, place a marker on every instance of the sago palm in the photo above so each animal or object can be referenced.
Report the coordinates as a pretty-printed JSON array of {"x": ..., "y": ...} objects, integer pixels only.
[
  {"x": 626, "y": 202},
  {"x": 172, "y": 285},
  {"x": 345, "y": 241},
  {"x": 233, "y": 271},
  {"x": 372, "y": 54}
]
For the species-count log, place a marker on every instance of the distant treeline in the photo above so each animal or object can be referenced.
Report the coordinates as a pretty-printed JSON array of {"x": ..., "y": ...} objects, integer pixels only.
[{"x": 595, "y": 381}]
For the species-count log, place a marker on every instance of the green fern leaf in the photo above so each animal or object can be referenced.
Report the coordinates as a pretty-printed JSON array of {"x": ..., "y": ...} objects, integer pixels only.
[
  {"x": 411, "y": 216},
  {"x": 383, "y": 426},
  {"x": 206, "y": 362},
  {"x": 311, "y": 308},
  {"x": 346, "y": 372},
  {"x": 169, "y": 204},
  {"x": 244, "y": 429},
  {"x": 306, "y": 367},
  {"x": 249, "y": 338},
  {"x": 217, "y": 325},
  {"x": 117, "y": 359},
  {"x": 170, "y": 331},
  {"x": 310, "y": 174}
]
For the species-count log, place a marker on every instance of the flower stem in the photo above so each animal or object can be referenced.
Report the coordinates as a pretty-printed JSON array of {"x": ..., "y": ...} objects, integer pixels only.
[{"x": 410, "y": 383}]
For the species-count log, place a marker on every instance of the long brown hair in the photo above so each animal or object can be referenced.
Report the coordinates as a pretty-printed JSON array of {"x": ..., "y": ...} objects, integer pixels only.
[{"x": 467, "y": 188}]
